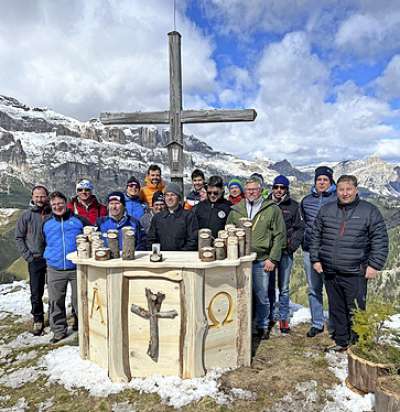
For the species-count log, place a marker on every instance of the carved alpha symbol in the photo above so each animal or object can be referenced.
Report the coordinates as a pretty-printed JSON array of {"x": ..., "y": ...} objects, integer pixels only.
[
  {"x": 96, "y": 305},
  {"x": 154, "y": 302}
]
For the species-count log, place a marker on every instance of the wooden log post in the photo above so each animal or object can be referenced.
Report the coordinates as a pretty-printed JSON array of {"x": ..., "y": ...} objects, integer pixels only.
[
  {"x": 220, "y": 249},
  {"x": 241, "y": 235},
  {"x": 128, "y": 243},
  {"x": 204, "y": 239},
  {"x": 102, "y": 254},
  {"x": 207, "y": 254},
  {"x": 387, "y": 399},
  {"x": 83, "y": 250},
  {"x": 247, "y": 227},
  {"x": 233, "y": 248},
  {"x": 113, "y": 243}
]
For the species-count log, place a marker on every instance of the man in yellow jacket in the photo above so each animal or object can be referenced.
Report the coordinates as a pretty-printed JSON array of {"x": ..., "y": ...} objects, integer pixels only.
[{"x": 153, "y": 183}]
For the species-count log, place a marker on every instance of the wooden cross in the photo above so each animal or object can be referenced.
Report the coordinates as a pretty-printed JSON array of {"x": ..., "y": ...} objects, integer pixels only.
[
  {"x": 154, "y": 302},
  {"x": 176, "y": 116}
]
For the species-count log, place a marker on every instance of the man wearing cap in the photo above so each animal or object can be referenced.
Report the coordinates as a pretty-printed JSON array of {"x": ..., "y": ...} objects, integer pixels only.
[
  {"x": 268, "y": 240},
  {"x": 198, "y": 182},
  {"x": 236, "y": 193},
  {"x": 59, "y": 236},
  {"x": 153, "y": 183},
  {"x": 85, "y": 203},
  {"x": 133, "y": 205},
  {"x": 349, "y": 244},
  {"x": 294, "y": 233},
  {"x": 322, "y": 192},
  {"x": 28, "y": 237},
  {"x": 158, "y": 205},
  {"x": 213, "y": 212},
  {"x": 118, "y": 218},
  {"x": 174, "y": 228}
]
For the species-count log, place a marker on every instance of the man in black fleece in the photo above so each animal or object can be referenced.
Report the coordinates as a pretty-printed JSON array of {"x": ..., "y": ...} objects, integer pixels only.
[{"x": 349, "y": 244}]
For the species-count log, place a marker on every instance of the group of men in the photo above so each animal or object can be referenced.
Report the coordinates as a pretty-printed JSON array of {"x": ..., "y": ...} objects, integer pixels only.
[{"x": 344, "y": 240}]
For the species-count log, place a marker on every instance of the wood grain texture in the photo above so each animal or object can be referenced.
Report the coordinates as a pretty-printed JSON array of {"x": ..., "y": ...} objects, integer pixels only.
[
  {"x": 386, "y": 400},
  {"x": 83, "y": 311}
]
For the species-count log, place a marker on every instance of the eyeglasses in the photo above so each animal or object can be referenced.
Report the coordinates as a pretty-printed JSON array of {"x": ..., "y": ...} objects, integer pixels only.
[
  {"x": 132, "y": 185},
  {"x": 83, "y": 190},
  {"x": 278, "y": 187},
  {"x": 213, "y": 192}
]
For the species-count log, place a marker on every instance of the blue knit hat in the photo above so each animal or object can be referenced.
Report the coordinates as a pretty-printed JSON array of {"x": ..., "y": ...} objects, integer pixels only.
[
  {"x": 235, "y": 182},
  {"x": 281, "y": 180}
]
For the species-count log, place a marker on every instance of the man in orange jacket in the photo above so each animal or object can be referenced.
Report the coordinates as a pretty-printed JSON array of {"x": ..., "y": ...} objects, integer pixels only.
[{"x": 153, "y": 183}]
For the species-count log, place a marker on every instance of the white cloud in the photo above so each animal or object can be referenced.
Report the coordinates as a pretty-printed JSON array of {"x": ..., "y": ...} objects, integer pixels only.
[
  {"x": 85, "y": 57},
  {"x": 388, "y": 84}
]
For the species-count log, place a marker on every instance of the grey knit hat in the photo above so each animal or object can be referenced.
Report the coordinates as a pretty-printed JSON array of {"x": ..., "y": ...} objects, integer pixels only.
[{"x": 174, "y": 188}]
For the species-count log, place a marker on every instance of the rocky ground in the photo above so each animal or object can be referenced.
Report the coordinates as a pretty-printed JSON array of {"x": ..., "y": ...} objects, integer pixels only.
[{"x": 288, "y": 373}]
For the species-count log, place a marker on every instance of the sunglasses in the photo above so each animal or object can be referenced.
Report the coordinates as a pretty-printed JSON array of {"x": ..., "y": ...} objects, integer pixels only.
[
  {"x": 278, "y": 187},
  {"x": 212, "y": 192},
  {"x": 132, "y": 185},
  {"x": 84, "y": 190}
]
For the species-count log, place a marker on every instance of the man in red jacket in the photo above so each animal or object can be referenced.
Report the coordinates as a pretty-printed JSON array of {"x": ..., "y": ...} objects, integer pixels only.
[{"x": 85, "y": 203}]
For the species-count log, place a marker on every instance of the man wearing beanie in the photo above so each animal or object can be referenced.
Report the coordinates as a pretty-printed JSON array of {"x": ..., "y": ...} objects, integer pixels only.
[
  {"x": 158, "y": 205},
  {"x": 133, "y": 205},
  {"x": 174, "y": 228},
  {"x": 322, "y": 192},
  {"x": 118, "y": 218},
  {"x": 85, "y": 203},
  {"x": 236, "y": 193},
  {"x": 294, "y": 233}
]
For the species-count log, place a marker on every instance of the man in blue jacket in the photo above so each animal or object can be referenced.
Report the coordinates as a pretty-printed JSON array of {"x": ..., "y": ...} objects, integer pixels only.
[
  {"x": 59, "y": 234},
  {"x": 323, "y": 192},
  {"x": 133, "y": 205},
  {"x": 118, "y": 218}
]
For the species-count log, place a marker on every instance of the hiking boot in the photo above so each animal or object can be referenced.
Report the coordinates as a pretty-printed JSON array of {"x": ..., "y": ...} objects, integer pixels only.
[
  {"x": 75, "y": 324},
  {"x": 37, "y": 328},
  {"x": 57, "y": 338},
  {"x": 263, "y": 334},
  {"x": 337, "y": 348},
  {"x": 284, "y": 326},
  {"x": 314, "y": 331}
]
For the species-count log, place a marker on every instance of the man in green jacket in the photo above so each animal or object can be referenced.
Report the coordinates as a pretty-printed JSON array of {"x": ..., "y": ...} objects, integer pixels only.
[{"x": 268, "y": 241}]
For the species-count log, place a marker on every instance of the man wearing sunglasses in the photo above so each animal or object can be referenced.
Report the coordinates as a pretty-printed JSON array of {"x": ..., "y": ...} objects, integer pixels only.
[
  {"x": 294, "y": 233},
  {"x": 267, "y": 241},
  {"x": 213, "y": 212},
  {"x": 133, "y": 205},
  {"x": 85, "y": 203}
]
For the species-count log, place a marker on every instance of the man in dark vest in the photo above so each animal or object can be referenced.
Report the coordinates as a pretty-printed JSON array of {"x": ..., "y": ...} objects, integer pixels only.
[{"x": 349, "y": 244}]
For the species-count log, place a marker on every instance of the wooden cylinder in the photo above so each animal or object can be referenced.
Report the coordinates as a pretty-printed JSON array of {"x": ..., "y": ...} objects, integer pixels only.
[
  {"x": 102, "y": 254},
  {"x": 387, "y": 399},
  {"x": 247, "y": 227},
  {"x": 88, "y": 230},
  {"x": 83, "y": 250},
  {"x": 128, "y": 243},
  {"x": 94, "y": 236},
  {"x": 242, "y": 220},
  {"x": 207, "y": 254},
  {"x": 96, "y": 244},
  {"x": 231, "y": 231},
  {"x": 223, "y": 234},
  {"x": 220, "y": 249},
  {"x": 241, "y": 235},
  {"x": 232, "y": 250},
  {"x": 204, "y": 238},
  {"x": 113, "y": 243},
  {"x": 230, "y": 226}
]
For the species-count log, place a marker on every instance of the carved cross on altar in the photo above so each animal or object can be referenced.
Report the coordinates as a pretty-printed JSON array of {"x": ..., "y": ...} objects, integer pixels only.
[
  {"x": 154, "y": 302},
  {"x": 176, "y": 116}
]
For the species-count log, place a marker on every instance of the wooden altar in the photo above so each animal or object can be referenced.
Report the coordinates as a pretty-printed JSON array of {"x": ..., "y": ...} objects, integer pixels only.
[{"x": 177, "y": 317}]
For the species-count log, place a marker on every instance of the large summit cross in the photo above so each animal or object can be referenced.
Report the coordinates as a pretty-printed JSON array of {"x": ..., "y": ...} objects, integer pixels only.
[{"x": 176, "y": 116}]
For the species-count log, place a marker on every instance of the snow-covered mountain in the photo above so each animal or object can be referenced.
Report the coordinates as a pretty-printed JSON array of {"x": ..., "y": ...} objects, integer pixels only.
[{"x": 40, "y": 145}]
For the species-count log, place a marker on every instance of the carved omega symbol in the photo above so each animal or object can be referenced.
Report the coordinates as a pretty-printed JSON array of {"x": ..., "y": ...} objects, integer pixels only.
[{"x": 215, "y": 323}]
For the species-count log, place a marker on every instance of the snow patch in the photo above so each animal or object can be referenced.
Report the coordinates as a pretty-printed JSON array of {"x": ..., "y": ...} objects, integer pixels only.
[{"x": 19, "y": 377}]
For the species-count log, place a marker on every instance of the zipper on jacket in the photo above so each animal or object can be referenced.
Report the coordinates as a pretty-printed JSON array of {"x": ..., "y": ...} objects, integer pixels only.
[{"x": 63, "y": 241}]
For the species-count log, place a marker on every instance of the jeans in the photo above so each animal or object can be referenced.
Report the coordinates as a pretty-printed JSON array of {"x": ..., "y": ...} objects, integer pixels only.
[
  {"x": 315, "y": 283},
  {"x": 260, "y": 294},
  {"x": 284, "y": 270},
  {"x": 37, "y": 279}
]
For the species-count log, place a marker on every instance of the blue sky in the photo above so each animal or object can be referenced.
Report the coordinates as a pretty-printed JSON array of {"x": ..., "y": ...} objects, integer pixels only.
[{"x": 324, "y": 76}]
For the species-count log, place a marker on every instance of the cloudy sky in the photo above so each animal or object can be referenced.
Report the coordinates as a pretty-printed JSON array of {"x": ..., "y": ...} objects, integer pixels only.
[{"x": 324, "y": 76}]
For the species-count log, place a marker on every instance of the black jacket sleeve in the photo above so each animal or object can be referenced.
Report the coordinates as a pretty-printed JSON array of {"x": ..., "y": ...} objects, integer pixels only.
[
  {"x": 378, "y": 241},
  {"x": 296, "y": 235},
  {"x": 192, "y": 228},
  {"x": 316, "y": 236}
]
